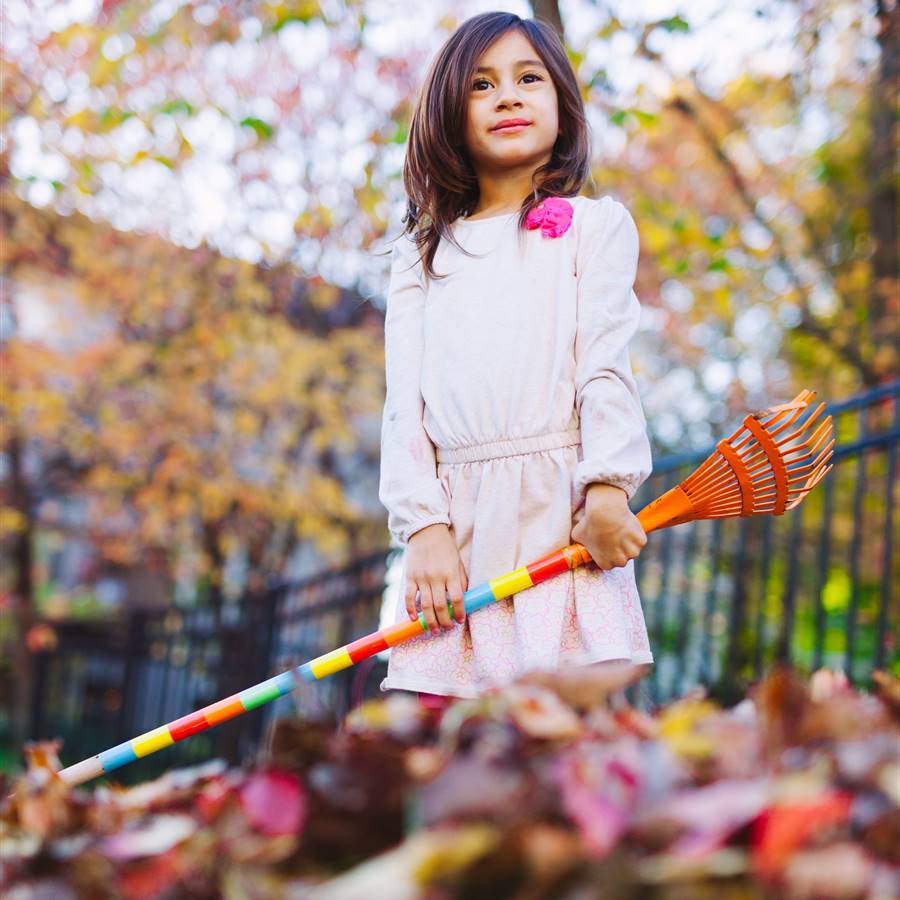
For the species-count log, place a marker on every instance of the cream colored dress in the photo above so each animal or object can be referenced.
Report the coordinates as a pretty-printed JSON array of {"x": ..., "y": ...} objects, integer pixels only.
[{"x": 509, "y": 390}]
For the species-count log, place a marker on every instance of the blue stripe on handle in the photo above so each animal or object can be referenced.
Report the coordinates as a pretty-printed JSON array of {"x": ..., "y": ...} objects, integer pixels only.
[
  {"x": 479, "y": 596},
  {"x": 117, "y": 756},
  {"x": 285, "y": 682},
  {"x": 306, "y": 672}
]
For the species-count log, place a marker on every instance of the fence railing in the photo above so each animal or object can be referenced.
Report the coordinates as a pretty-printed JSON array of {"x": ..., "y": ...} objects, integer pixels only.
[{"x": 723, "y": 599}]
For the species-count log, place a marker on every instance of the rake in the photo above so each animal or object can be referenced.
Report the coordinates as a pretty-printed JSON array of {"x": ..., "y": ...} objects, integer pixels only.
[{"x": 766, "y": 467}]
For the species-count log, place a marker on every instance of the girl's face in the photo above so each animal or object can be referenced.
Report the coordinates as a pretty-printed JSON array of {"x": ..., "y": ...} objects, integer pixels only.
[{"x": 510, "y": 82}]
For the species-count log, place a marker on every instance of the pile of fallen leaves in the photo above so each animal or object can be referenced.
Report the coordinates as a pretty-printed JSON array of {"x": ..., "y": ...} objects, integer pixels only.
[{"x": 552, "y": 788}]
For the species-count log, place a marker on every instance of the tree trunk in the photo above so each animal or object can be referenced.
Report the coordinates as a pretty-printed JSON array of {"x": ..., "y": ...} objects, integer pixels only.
[
  {"x": 23, "y": 594},
  {"x": 548, "y": 10},
  {"x": 883, "y": 192}
]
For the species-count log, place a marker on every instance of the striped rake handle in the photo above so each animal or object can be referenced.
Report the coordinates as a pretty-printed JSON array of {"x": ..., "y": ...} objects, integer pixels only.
[{"x": 321, "y": 667}]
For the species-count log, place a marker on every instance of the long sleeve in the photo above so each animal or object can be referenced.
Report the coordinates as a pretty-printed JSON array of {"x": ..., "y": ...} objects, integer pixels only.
[
  {"x": 409, "y": 487},
  {"x": 615, "y": 446}
]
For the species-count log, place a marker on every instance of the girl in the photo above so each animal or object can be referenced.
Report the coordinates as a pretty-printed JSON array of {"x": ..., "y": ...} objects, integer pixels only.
[{"x": 511, "y": 411}]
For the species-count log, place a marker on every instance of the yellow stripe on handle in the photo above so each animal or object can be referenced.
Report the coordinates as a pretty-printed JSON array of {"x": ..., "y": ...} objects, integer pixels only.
[
  {"x": 512, "y": 583},
  {"x": 152, "y": 741},
  {"x": 329, "y": 663}
]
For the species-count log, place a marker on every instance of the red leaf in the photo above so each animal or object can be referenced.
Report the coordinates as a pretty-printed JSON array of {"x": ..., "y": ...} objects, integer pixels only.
[
  {"x": 273, "y": 802},
  {"x": 781, "y": 830}
]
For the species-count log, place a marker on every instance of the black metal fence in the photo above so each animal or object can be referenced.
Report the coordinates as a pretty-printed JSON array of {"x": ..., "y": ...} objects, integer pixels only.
[
  {"x": 723, "y": 599},
  {"x": 108, "y": 682}
]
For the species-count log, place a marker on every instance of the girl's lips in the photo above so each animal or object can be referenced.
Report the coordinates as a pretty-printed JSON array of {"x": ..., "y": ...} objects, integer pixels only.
[{"x": 507, "y": 128}]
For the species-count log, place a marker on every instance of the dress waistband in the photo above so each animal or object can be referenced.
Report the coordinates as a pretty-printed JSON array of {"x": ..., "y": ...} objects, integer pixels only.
[{"x": 552, "y": 440}]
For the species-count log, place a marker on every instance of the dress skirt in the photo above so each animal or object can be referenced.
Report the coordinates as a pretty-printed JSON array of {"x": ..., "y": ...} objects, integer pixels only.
[{"x": 512, "y": 502}]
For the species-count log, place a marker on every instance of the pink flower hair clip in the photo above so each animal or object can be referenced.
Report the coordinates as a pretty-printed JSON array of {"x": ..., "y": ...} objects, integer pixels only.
[{"x": 553, "y": 217}]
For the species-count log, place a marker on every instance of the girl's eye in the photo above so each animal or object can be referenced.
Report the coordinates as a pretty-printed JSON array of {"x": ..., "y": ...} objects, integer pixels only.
[{"x": 526, "y": 75}]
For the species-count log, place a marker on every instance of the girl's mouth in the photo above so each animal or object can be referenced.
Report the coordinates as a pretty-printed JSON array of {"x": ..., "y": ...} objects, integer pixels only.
[{"x": 510, "y": 125}]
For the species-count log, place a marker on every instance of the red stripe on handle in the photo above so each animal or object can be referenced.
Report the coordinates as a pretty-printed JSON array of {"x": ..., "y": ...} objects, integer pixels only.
[
  {"x": 545, "y": 568},
  {"x": 188, "y": 725},
  {"x": 367, "y": 646}
]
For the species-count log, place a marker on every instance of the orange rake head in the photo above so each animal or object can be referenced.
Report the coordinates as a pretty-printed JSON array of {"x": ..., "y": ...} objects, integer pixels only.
[{"x": 766, "y": 466}]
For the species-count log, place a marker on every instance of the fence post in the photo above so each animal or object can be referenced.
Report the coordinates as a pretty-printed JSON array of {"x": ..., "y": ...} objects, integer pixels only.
[
  {"x": 38, "y": 692},
  {"x": 263, "y": 613},
  {"x": 134, "y": 645}
]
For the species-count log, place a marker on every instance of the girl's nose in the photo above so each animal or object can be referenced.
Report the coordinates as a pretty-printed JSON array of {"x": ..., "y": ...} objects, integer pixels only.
[{"x": 508, "y": 98}]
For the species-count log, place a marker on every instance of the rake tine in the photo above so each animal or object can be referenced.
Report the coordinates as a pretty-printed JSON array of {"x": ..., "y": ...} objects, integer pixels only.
[
  {"x": 714, "y": 479},
  {"x": 810, "y": 446},
  {"x": 825, "y": 451},
  {"x": 774, "y": 432},
  {"x": 802, "y": 399},
  {"x": 808, "y": 475},
  {"x": 821, "y": 433},
  {"x": 805, "y": 426},
  {"x": 801, "y": 494},
  {"x": 822, "y": 464},
  {"x": 798, "y": 411}
]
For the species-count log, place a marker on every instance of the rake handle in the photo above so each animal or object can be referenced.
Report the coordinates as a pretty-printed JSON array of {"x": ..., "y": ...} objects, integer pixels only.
[{"x": 567, "y": 558}]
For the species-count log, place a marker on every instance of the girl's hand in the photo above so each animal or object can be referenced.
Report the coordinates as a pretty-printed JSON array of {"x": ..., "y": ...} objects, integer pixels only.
[
  {"x": 434, "y": 569},
  {"x": 610, "y": 531}
]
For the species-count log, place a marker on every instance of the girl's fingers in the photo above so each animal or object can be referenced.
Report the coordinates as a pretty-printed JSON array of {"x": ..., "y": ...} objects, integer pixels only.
[
  {"x": 463, "y": 577},
  {"x": 439, "y": 596},
  {"x": 428, "y": 608},
  {"x": 455, "y": 591},
  {"x": 409, "y": 598}
]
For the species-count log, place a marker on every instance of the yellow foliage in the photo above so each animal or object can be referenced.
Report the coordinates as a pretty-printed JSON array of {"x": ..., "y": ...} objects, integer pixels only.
[
  {"x": 655, "y": 237},
  {"x": 680, "y": 726},
  {"x": 11, "y": 520},
  {"x": 245, "y": 423},
  {"x": 324, "y": 296}
]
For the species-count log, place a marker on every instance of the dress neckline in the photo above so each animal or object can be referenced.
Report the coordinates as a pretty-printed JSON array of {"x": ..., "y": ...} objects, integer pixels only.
[{"x": 462, "y": 220}]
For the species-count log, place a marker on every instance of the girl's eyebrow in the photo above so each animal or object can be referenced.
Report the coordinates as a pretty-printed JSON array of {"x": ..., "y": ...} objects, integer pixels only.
[{"x": 518, "y": 64}]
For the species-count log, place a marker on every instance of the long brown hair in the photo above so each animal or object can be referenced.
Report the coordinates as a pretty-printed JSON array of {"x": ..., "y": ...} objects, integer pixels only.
[{"x": 438, "y": 177}]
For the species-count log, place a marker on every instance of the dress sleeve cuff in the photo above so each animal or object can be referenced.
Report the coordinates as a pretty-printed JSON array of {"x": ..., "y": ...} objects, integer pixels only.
[
  {"x": 628, "y": 483},
  {"x": 403, "y": 534}
]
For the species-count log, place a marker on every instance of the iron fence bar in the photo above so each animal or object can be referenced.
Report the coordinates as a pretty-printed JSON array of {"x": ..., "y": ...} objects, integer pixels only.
[
  {"x": 734, "y": 645},
  {"x": 705, "y": 651},
  {"x": 659, "y": 618},
  {"x": 683, "y": 611},
  {"x": 855, "y": 545},
  {"x": 783, "y": 653},
  {"x": 822, "y": 573},
  {"x": 886, "y": 555},
  {"x": 760, "y": 641}
]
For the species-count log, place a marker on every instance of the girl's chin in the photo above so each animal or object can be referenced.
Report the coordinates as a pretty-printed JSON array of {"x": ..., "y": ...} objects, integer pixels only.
[{"x": 517, "y": 156}]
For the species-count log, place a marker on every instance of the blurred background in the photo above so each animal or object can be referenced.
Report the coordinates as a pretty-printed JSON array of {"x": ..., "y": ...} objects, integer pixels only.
[{"x": 197, "y": 206}]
